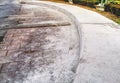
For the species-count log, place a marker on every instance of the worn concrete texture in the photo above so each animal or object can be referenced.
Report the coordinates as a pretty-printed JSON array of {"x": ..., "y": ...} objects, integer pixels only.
[
  {"x": 87, "y": 51},
  {"x": 7, "y": 8},
  {"x": 100, "y": 55},
  {"x": 40, "y": 55}
]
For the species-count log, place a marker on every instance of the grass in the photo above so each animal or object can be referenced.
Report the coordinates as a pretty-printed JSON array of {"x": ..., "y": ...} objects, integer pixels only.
[{"x": 106, "y": 14}]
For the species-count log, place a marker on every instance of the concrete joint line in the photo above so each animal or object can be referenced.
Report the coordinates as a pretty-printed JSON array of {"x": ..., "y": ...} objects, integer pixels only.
[
  {"x": 35, "y": 25},
  {"x": 110, "y": 24}
]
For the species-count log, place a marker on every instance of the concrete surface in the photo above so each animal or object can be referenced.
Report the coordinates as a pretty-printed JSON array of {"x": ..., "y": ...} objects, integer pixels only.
[
  {"x": 7, "y": 8},
  {"x": 99, "y": 56},
  {"x": 40, "y": 55}
]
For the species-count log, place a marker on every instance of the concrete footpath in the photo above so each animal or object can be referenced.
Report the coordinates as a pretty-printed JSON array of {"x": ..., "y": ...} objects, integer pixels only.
[
  {"x": 100, "y": 45},
  {"x": 41, "y": 54},
  {"x": 99, "y": 54}
]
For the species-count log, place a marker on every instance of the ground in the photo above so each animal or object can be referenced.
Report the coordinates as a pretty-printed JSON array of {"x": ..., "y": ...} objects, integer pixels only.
[
  {"x": 86, "y": 51},
  {"x": 39, "y": 55}
]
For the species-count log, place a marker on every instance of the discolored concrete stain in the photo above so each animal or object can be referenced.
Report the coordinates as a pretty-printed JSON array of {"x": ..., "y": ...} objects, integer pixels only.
[
  {"x": 40, "y": 55},
  {"x": 87, "y": 51}
]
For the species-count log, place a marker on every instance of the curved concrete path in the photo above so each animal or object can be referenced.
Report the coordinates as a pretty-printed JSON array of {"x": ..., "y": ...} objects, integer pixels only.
[
  {"x": 41, "y": 54},
  {"x": 100, "y": 47}
]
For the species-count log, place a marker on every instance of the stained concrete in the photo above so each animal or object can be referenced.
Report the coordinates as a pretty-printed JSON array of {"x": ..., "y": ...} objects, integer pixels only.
[
  {"x": 7, "y": 8},
  {"x": 96, "y": 48},
  {"x": 43, "y": 54},
  {"x": 100, "y": 56}
]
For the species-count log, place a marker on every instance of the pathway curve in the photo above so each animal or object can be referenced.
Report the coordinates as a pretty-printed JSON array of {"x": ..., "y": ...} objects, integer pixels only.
[
  {"x": 99, "y": 53},
  {"x": 100, "y": 48},
  {"x": 41, "y": 54}
]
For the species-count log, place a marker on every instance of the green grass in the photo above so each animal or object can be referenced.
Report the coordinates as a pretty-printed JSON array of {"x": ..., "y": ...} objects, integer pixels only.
[{"x": 117, "y": 20}]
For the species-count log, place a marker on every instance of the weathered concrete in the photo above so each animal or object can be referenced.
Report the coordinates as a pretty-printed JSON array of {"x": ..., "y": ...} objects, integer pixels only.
[
  {"x": 43, "y": 54},
  {"x": 7, "y": 8},
  {"x": 36, "y": 25},
  {"x": 99, "y": 57},
  {"x": 79, "y": 13}
]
